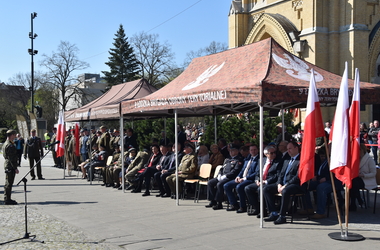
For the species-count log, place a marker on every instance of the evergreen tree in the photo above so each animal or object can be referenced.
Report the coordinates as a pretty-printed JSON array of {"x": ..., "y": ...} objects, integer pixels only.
[
  {"x": 122, "y": 62},
  {"x": 246, "y": 127}
]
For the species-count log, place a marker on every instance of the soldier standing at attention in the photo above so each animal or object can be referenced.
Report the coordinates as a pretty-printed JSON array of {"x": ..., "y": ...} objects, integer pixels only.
[
  {"x": 105, "y": 139},
  {"x": 33, "y": 149},
  {"x": 10, "y": 166}
]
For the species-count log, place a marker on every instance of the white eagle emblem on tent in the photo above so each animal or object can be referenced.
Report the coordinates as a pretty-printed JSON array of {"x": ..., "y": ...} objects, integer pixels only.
[
  {"x": 204, "y": 77},
  {"x": 296, "y": 67}
]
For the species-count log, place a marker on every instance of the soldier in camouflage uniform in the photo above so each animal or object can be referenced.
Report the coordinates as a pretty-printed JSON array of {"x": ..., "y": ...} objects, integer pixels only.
[
  {"x": 92, "y": 138},
  {"x": 186, "y": 169},
  {"x": 115, "y": 139},
  {"x": 136, "y": 165},
  {"x": 107, "y": 171},
  {"x": 10, "y": 166}
]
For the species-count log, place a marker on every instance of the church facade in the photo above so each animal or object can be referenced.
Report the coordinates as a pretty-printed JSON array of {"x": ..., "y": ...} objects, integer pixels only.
[{"x": 326, "y": 33}]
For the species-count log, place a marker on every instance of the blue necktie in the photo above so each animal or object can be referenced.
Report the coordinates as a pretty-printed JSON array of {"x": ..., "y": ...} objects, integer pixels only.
[{"x": 288, "y": 169}]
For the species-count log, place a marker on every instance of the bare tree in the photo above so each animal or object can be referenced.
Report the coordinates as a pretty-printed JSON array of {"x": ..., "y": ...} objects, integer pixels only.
[
  {"x": 60, "y": 67},
  {"x": 155, "y": 59},
  {"x": 47, "y": 98},
  {"x": 212, "y": 48},
  {"x": 170, "y": 76}
]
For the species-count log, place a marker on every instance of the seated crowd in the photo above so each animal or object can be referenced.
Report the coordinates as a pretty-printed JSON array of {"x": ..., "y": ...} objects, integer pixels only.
[{"x": 236, "y": 182}]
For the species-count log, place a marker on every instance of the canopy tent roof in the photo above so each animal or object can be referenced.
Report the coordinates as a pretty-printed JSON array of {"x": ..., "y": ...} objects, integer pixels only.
[
  {"x": 239, "y": 79},
  {"x": 107, "y": 106}
]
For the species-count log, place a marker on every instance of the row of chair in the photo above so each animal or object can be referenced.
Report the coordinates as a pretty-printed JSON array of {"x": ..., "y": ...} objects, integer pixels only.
[{"x": 204, "y": 176}]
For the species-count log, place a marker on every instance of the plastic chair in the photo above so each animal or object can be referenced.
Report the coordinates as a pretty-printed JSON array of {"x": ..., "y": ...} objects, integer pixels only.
[
  {"x": 205, "y": 182},
  {"x": 376, "y": 189},
  {"x": 365, "y": 192},
  {"x": 293, "y": 204},
  {"x": 100, "y": 169},
  {"x": 204, "y": 174}
]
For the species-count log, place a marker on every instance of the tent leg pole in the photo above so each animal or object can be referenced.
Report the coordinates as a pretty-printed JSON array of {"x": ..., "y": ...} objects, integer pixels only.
[
  {"x": 283, "y": 123},
  {"x": 165, "y": 130},
  {"x": 122, "y": 151},
  {"x": 215, "y": 129},
  {"x": 176, "y": 151},
  {"x": 261, "y": 164}
]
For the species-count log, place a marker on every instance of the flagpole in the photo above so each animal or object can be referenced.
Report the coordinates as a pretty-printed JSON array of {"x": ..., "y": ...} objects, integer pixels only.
[
  {"x": 333, "y": 187},
  {"x": 261, "y": 165},
  {"x": 347, "y": 197},
  {"x": 342, "y": 152},
  {"x": 344, "y": 236},
  {"x": 64, "y": 150}
]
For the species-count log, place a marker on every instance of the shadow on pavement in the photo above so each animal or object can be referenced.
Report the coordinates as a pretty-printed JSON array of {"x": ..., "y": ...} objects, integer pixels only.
[{"x": 60, "y": 203}]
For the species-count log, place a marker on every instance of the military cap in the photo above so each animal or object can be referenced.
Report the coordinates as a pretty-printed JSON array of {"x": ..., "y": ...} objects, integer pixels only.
[
  {"x": 11, "y": 132},
  {"x": 132, "y": 149}
]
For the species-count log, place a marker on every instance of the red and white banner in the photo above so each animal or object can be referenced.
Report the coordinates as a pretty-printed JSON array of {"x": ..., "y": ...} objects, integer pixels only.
[
  {"x": 313, "y": 129},
  {"x": 355, "y": 128},
  {"x": 340, "y": 137},
  {"x": 76, "y": 134},
  {"x": 61, "y": 133}
]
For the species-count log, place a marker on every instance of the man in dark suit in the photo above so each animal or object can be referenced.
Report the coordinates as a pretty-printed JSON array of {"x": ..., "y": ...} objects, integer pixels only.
[
  {"x": 130, "y": 140},
  {"x": 167, "y": 168},
  {"x": 181, "y": 136},
  {"x": 282, "y": 129},
  {"x": 282, "y": 151},
  {"x": 149, "y": 166},
  {"x": 270, "y": 173},
  {"x": 164, "y": 140},
  {"x": 33, "y": 149},
  {"x": 231, "y": 168},
  {"x": 19, "y": 142},
  {"x": 149, "y": 172},
  {"x": 244, "y": 178},
  {"x": 287, "y": 184},
  {"x": 222, "y": 144},
  {"x": 321, "y": 182}
]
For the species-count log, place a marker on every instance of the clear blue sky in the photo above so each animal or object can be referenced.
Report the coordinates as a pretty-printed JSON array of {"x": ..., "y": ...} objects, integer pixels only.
[{"x": 92, "y": 25}]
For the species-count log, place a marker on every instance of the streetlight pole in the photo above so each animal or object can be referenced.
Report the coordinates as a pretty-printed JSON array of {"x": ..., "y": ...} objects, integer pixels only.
[{"x": 32, "y": 52}]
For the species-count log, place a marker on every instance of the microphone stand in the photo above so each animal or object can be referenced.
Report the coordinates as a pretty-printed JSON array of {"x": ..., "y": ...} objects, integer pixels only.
[{"x": 23, "y": 179}]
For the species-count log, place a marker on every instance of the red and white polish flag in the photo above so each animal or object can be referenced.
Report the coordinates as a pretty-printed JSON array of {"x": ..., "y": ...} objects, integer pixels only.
[
  {"x": 313, "y": 129},
  {"x": 340, "y": 147}
]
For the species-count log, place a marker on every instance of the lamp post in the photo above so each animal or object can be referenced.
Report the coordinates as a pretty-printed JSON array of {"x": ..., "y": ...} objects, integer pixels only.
[{"x": 32, "y": 52}]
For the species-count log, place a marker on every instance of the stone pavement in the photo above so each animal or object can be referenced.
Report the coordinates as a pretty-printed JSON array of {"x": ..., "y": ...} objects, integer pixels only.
[{"x": 72, "y": 214}]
